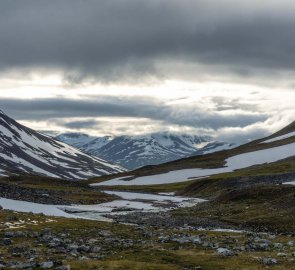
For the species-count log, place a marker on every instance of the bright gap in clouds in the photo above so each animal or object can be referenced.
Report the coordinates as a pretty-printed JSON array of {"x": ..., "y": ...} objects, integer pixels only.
[{"x": 229, "y": 111}]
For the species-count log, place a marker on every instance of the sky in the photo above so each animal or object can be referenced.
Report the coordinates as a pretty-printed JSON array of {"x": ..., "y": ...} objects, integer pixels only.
[{"x": 123, "y": 67}]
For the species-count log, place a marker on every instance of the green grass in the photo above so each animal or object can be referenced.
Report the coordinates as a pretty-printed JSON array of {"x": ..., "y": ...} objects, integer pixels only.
[
  {"x": 154, "y": 256},
  {"x": 218, "y": 184},
  {"x": 172, "y": 187},
  {"x": 263, "y": 207},
  {"x": 70, "y": 191}
]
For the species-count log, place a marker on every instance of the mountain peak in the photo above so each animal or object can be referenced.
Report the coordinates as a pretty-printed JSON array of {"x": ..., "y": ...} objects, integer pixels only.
[
  {"x": 146, "y": 149},
  {"x": 24, "y": 150}
]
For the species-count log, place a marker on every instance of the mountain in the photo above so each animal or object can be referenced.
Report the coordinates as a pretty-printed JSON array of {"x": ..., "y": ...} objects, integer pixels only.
[
  {"x": 75, "y": 139},
  {"x": 84, "y": 142},
  {"x": 137, "y": 151},
  {"x": 270, "y": 150},
  {"x": 25, "y": 150}
]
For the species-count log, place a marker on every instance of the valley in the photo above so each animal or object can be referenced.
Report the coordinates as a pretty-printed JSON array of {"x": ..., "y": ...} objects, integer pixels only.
[{"x": 232, "y": 209}]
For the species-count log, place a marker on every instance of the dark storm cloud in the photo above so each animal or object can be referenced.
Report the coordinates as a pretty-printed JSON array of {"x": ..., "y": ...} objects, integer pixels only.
[
  {"x": 111, "y": 39},
  {"x": 62, "y": 109}
]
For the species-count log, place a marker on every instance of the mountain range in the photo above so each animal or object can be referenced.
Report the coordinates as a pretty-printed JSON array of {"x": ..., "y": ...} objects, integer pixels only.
[
  {"x": 133, "y": 152},
  {"x": 269, "y": 151},
  {"x": 23, "y": 150}
]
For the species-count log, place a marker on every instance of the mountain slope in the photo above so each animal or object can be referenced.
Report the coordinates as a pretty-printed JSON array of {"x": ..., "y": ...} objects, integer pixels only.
[
  {"x": 277, "y": 147},
  {"x": 25, "y": 150},
  {"x": 74, "y": 139},
  {"x": 137, "y": 151}
]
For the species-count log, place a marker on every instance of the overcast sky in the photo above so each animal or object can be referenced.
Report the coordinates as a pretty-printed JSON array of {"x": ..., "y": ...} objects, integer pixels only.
[{"x": 224, "y": 68}]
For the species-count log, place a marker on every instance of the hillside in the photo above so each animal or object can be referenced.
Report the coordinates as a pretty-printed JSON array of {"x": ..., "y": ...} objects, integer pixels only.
[
  {"x": 278, "y": 146},
  {"x": 23, "y": 150}
]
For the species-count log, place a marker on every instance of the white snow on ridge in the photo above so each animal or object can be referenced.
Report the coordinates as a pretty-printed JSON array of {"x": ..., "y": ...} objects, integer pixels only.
[
  {"x": 233, "y": 163},
  {"x": 27, "y": 150},
  {"x": 2, "y": 173},
  {"x": 282, "y": 137},
  {"x": 225, "y": 146},
  {"x": 23, "y": 162}
]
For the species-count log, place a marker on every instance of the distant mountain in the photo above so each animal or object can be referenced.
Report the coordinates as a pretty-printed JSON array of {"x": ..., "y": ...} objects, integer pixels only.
[
  {"x": 137, "y": 151},
  {"x": 25, "y": 150},
  {"x": 75, "y": 139},
  {"x": 272, "y": 158},
  {"x": 84, "y": 142}
]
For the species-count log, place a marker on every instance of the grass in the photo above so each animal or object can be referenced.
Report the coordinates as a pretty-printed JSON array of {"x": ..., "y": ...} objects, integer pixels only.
[
  {"x": 262, "y": 207},
  {"x": 70, "y": 191},
  {"x": 162, "y": 256},
  {"x": 216, "y": 185},
  {"x": 172, "y": 187},
  {"x": 144, "y": 255}
]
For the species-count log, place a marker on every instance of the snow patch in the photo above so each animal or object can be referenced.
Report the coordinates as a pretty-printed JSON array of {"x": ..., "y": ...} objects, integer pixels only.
[
  {"x": 233, "y": 163},
  {"x": 282, "y": 137},
  {"x": 128, "y": 202}
]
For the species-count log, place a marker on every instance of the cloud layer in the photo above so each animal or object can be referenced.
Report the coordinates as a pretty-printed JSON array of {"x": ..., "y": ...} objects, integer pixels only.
[
  {"x": 116, "y": 40},
  {"x": 132, "y": 42}
]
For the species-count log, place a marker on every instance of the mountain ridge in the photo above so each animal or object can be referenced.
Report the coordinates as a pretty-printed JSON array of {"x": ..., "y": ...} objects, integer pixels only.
[
  {"x": 250, "y": 154},
  {"x": 24, "y": 150},
  {"x": 137, "y": 151}
]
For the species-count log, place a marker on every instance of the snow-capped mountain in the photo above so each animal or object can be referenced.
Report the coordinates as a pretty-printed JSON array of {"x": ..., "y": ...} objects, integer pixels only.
[
  {"x": 92, "y": 146},
  {"x": 137, "y": 151},
  {"x": 275, "y": 148},
  {"x": 25, "y": 150},
  {"x": 75, "y": 139}
]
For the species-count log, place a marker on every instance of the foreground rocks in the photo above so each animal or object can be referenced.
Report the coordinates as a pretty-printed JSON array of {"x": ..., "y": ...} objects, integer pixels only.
[
  {"x": 168, "y": 220},
  {"x": 32, "y": 195},
  {"x": 48, "y": 249}
]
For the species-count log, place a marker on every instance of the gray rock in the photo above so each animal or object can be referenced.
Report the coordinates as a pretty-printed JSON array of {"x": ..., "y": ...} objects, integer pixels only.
[
  {"x": 196, "y": 240},
  {"x": 9, "y": 234},
  {"x": 46, "y": 265},
  {"x": 92, "y": 241},
  {"x": 269, "y": 261},
  {"x": 95, "y": 249},
  {"x": 63, "y": 267},
  {"x": 83, "y": 248},
  {"x": 72, "y": 247},
  {"x": 83, "y": 258},
  {"x": 281, "y": 254},
  {"x": 7, "y": 241},
  {"x": 278, "y": 245},
  {"x": 290, "y": 243},
  {"x": 225, "y": 252},
  {"x": 105, "y": 233}
]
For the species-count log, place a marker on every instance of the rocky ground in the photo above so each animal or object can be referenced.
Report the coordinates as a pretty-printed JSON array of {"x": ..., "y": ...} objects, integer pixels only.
[
  {"x": 165, "y": 220},
  {"x": 44, "y": 196},
  {"x": 245, "y": 229},
  {"x": 48, "y": 190},
  {"x": 37, "y": 242}
]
